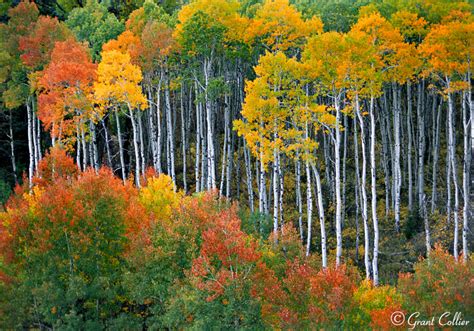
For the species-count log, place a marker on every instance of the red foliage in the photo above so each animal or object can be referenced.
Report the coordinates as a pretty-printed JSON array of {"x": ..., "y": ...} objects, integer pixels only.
[
  {"x": 227, "y": 254},
  {"x": 65, "y": 85},
  {"x": 36, "y": 47},
  {"x": 56, "y": 164}
]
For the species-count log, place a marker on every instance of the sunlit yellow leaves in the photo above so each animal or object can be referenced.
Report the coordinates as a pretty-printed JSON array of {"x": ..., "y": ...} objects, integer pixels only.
[
  {"x": 118, "y": 81},
  {"x": 448, "y": 48},
  {"x": 223, "y": 11},
  {"x": 412, "y": 27},
  {"x": 279, "y": 26},
  {"x": 159, "y": 198}
]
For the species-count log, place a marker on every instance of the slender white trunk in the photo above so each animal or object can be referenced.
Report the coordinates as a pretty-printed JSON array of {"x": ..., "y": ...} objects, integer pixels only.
[
  {"x": 12, "y": 145},
  {"x": 135, "y": 146},
  {"x": 78, "y": 149},
  {"x": 466, "y": 175},
  {"x": 374, "y": 193},
  {"x": 410, "y": 142},
  {"x": 363, "y": 188},
  {"x": 434, "y": 191},
  {"x": 84, "y": 146},
  {"x": 397, "y": 169},
  {"x": 30, "y": 143},
  {"x": 211, "y": 167},
  {"x": 452, "y": 160},
  {"x": 152, "y": 127},
  {"x": 107, "y": 144},
  {"x": 248, "y": 172},
  {"x": 170, "y": 139},
  {"x": 276, "y": 194},
  {"x": 321, "y": 217},
  {"x": 142, "y": 143},
  {"x": 158, "y": 126},
  {"x": 95, "y": 154},
  {"x": 183, "y": 139},
  {"x": 198, "y": 146},
  {"x": 120, "y": 141},
  {"x": 337, "y": 180},
  {"x": 299, "y": 202}
]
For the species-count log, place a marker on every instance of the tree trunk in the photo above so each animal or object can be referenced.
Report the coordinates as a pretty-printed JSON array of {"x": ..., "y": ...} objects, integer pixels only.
[
  {"x": 397, "y": 169},
  {"x": 337, "y": 182},
  {"x": 434, "y": 191},
  {"x": 466, "y": 175},
  {"x": 363, "y": 188},
  {"x": 169, "y": 131},
  {"x": 30, "y": 142},
  {"x": 374, "y": 193},
  {"x": 135, "y": 146},
  {"x": 12, "y": 146},
  {"x": 120, "y": 141},
  {"x": 410, "y": 142},
  {"x": 452, "y": 160}
]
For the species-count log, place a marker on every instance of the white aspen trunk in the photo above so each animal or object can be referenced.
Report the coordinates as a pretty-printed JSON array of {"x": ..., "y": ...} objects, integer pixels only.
[
  {"x": 299, "y": 202},
  {"x": 34, "y": 134},
  {"x": 452, "y": 157},
  {"x": 374, "y": 193},
  {"x": 95, "y": 154},
  {"x": 230, "y": 160},
  {"x": 427, "y": 227},
  {"x": 78, "y": 149},
  {"x": 421, "y": 152},
  {"x": 204, "y": 150},
  {"x": 153, "y": 129},
  {"x": 12, "y": 146},
  {"x": 321, "y": 218},
  {"x": 211, "y": 167},
  {"x": 39, "y": 155},
  {"x": 224, "y": 147},
  {"x": 142, "y": 143},
  {"x": 384, "y": 128},
  {"x": 281, "y": 189},
  {"x": 135, "y": 146},
  {"x": 337, "y": 182},
  {"x": 84, "y": 147},
  {"x": 198, "y": 146},
  {"x": 465, "y": 175},
  {"x": 107, "y": 144},
  {"x": 248, "y": 172},
  {"x": 53, "y": 135},
  {"x": 170, "y": 139},
  {"x": 344, "y": 158},
  {"x": 158, "y": 126},
  {"x": 434, "y": 191},
  {"x": 30, "y": 143},
  {"x": 120, "y": 141},
  {"x": 183, "y": 139},
  {"x": 262, "y": 188},
  {"x": 421, "y": 146},
  {"x": 363, "y": 188},
  {"x": 410, "y": 142},
  {"x": 276, "y": 194},
  {"x": 309, "y": 207},
  {"x": 397, "y": 169},
  {"x": 357, "y": 189}
]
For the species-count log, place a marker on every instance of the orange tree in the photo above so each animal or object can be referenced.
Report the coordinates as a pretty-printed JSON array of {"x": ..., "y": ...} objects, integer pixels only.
[{"x": 63, "y": 244}]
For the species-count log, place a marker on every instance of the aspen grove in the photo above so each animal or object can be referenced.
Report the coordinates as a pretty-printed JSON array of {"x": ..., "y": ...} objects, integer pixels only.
[{"x": 240, "y": 164}]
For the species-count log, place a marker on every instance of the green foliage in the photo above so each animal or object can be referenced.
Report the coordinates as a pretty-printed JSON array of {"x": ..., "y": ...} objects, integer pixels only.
[{"x": 94, "y": 24}]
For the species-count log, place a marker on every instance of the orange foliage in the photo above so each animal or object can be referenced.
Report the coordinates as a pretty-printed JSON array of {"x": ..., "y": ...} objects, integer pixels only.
[
  {"x": 39, "y": 43},
  {"x": 65, "y": 85}
]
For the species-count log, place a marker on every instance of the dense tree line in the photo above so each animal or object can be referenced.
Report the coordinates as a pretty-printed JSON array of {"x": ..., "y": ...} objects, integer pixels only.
[
  {"x": 354, "y": 114},
  {"x": 83, "y": 250}
]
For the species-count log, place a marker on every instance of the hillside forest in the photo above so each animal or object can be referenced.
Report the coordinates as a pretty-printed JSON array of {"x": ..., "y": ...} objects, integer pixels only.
[{"x": 236, "y": 164}]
